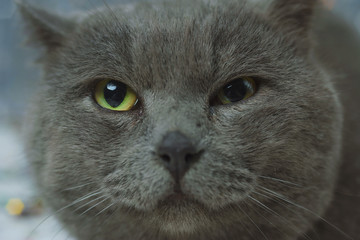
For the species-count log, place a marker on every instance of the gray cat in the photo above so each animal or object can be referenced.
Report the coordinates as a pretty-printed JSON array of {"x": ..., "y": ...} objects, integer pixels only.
[{"x": 192, "y": 120}]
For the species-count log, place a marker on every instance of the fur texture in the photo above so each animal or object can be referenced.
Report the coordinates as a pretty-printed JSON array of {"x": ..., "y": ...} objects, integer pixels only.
[{"x": 269, "y": 163}]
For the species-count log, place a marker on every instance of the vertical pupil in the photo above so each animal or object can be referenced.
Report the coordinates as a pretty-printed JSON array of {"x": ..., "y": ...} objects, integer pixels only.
[
  {"x": 236, "y": 90},
  {"x": 114, "y": 93}
]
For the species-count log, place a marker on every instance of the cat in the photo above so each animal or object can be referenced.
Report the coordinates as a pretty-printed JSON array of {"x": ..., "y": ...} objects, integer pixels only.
[{"x": 197, "y": 120}]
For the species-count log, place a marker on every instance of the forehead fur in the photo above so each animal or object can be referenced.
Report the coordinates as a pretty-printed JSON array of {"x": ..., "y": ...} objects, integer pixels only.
[{"x": 161, "y": 48}]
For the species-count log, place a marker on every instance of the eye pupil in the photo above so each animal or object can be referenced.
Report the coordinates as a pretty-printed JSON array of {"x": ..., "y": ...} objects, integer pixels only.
[
  {"x": 114, "y": 93},
  {"x": 236, "y": 90}
]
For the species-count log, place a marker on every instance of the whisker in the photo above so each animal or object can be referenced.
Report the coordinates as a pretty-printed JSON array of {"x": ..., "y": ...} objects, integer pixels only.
[
  {"x": 348, "y": 194},
  {"x": 271, "y": 223},
  {"x": 280, "y": 180},
  {"x": 80, "y": 186},
  {"x": 108, "y": 218},
  {"x": 86, "y": 196},
  {"x": 264, "y": 206},
  {"x": 88, "y": 203},
  {"x": 61, "y": 229},
  {"x": 283, "y": 198},
  {"x": 246, "y": 228},
  {"x": 94, "y": 206},
  {"x": 262, "y": 233},
  {"x": 101, "y": 223},
  {"x": 88, "y": 209},
  {"x": 105, "y": 209},
  {"x": 293, "y": 227}
]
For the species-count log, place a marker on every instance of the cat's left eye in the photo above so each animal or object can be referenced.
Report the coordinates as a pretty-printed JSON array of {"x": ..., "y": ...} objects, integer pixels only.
[
  {"x": 115, "y": 95},
  {"x": 236, "y": 90}
]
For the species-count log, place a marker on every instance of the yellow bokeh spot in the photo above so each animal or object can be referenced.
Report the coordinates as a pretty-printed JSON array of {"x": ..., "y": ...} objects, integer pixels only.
[{"x": 15, "y": 206}]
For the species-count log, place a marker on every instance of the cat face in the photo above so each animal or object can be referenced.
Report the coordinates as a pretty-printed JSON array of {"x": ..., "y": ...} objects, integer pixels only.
[{"x": 280, "y": 143}]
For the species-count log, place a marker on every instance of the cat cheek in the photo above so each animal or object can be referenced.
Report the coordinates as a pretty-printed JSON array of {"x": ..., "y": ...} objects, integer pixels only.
[{"x": 139, "y": 183}]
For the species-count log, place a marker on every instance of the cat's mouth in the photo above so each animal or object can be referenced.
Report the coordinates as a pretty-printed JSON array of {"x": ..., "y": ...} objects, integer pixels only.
[
  {"x": 176, "y": 196},
  {"x": 177, "y": 200}
]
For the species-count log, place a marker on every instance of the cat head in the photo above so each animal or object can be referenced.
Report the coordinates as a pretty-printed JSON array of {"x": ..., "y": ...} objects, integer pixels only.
[{"x": 181, "y": 153}]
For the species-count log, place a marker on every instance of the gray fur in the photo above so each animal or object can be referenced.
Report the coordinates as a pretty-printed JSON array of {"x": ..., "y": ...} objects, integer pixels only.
[{"x": 176, "y": 57}]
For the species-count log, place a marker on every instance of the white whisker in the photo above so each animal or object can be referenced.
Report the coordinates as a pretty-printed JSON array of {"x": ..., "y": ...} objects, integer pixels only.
[
  {"x": 262, "y": 233},
  {"x": 94, "y": 206},
  {"x": 61, "y": 229},
  {"x": 86, "y": 196},
  {"x": 271, "y": 223},
  {"x": 105, "y": 209},
  {"x": 85, "y": 204},
  {"x": 280, "y": 180},
  {"x": 283, "y": 198},
  {"x": 80, "y": 186},
  {"x": 293, "y": 227}
]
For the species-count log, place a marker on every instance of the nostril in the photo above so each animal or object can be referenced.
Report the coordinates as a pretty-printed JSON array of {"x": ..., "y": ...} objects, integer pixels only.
[
  {"x": 165, "y": 157},
  {"x": 188, "y": 158}
]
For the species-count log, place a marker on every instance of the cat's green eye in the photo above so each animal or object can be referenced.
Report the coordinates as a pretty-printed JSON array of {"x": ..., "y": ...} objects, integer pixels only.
[
  {"x": 237, "y": 90},
  {"x": 115, "y": 95}
]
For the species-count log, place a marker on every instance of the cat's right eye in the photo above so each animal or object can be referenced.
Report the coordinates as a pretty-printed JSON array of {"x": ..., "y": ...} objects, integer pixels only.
[
  {"x": 236, "y": 90},
  {"x": 115, "y": 95}
]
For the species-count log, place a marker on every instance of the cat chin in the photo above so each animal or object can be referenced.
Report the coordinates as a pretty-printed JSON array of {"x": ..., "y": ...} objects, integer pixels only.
[
  {"x": 180, "y": 215},
  {"x": 178, "y": 227}
]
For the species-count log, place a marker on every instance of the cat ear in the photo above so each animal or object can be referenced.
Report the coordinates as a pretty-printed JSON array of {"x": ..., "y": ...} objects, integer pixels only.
[
  {"x": 44, "y": 28},
  {"x": 293, "y": 16}
]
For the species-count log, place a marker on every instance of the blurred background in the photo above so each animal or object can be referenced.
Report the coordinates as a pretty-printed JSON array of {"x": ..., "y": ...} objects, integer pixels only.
[{"x": 21, "y": 210}]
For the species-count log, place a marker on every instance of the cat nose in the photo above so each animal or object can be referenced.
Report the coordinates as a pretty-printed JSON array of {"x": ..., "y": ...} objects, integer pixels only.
[{"x": 177, "y": 153}]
